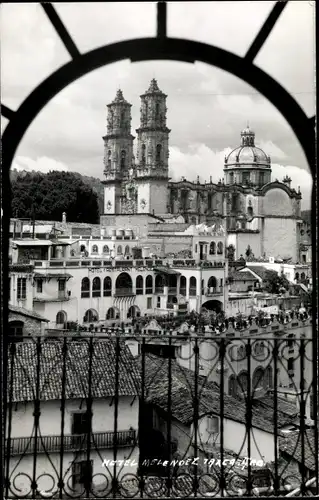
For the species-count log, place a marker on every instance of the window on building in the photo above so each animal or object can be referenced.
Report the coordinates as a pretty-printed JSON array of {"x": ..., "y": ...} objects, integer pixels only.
[
  {"x": 80, "y": 423},
  {"x": 139, "y": 285},
  {"x": 85, "y": 288},
  {"x": 212, "y": 248},
  {"x": 149, "y": 284},
  {"x": 91, "y": 316},
  {"x": 39, "y": 286},
  {"x": 60, "y": 318},
  {"x": 262, "y": 178},
  {"x": 122, "y": 119},
  {"x": 61, "y": 285},
  {"x": 212, "y": 424},
  {"x": 113, "y": 313},
  {"x": 149, "y": 302},
  {"x": 158, "y": 302},
  {"x": 143, "y": 149},
  {"x": 192, "y": 286},
  {"x": 119, "y": 250},
  {"x": 246, "y": 178},
  {"x": 182, "y": 286},
  {"x": 106, "y": 249},
  {"x": 123, "y": 157},
  {"x": 231, "y": 178},
  {"x": 95, "y": 249},
  {"x": 220, "y": 248},
  {"x": 304, "y": 258},
  {"x": 109, "y": 160},
  {"x": 158, "y": 152},
  {"x": 107, "y": 287},
  {"x": 22, "y": 288},
  {"x": 16, "y": 330},
  {"x": 157, "y": 109},
  {"x": 96, "y": 287}
]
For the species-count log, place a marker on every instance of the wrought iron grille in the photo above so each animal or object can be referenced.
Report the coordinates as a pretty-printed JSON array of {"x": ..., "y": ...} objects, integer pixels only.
[{"x": 186, "y": 433}]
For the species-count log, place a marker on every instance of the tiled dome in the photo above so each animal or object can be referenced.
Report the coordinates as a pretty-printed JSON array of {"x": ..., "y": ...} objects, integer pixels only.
[{"x": 247, "y": 153}]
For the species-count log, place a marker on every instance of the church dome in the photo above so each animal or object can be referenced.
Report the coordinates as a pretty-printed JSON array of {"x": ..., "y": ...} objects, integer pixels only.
[{"x": 247, "y": 153}]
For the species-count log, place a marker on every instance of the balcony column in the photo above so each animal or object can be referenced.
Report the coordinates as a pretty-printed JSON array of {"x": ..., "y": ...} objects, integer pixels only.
[
  {"x": 199, "y": 285},
  {"x": 178, "y": 278}
]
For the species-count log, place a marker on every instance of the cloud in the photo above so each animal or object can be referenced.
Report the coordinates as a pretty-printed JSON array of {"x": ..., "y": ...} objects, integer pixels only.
[{"x": 42, "y": 164}]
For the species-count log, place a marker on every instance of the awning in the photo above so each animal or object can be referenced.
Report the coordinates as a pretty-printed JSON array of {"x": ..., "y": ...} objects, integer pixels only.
[
  {"x": 32, "y": 243},
  {"x": 59, "y": 276},
  {"x": 64, "y": 242},
  {"x": 167, "y": 271}
]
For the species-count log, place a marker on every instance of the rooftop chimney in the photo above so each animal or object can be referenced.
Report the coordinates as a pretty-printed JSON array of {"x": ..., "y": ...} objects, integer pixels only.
[{"x": 64, "y": 217}]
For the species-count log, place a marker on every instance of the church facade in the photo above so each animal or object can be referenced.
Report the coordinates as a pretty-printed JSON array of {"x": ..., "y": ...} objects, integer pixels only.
[{"x": 261, "y": 213}]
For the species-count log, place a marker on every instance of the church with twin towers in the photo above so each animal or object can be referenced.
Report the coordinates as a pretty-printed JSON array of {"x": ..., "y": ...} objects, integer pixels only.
[{"x": 255, "y": 208}]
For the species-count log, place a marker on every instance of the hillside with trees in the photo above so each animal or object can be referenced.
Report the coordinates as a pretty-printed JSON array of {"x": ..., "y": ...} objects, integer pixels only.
[{"x": 47, "y": 196}]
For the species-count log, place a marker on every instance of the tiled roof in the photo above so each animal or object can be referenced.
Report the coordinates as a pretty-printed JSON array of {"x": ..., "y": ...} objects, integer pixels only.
[
  {"x": 287, "y": 407},
  {"x": 182, "y": 397},
  {"x": 242, "y": 276},
  {"x": 260, "y": 270},
  {"x": 26, "y": 312},
  {"x": 291, "y": 444},
  {"x": 77, "y": 370}
]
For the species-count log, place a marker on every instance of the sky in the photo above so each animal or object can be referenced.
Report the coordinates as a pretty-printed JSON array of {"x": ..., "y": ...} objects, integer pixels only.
[{"x": 207, "y": 107}]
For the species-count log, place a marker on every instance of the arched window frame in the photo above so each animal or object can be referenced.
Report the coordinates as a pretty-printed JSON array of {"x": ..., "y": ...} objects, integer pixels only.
[
  {"x": 106, "y": 249},
  {"x": 139, "y": 285},
  {"x": 149, "y": 285},
  {"x": 158, "y": 153},
  {"x": 123, "y": 158},
  {"x": 220, "y": 248},
  {"x": 192, "y": 286},
  {"x": 61, "y": 318},
  {"x": 90, "y": 316},
  {"x": 123, "y": 284},
  {"x": 119, "y": 250},
  {"x": 212, "y": 283},
  {"x": 107, "y": 286},
  {"x": 95, "y": 249},
  {"x": 96, "y": 287},
  {"x": 183, "y": 286},
  {"x": 143, "y": 153},
  {"x": 85, "y": 288},
  {"x": 212, "y": 248}
]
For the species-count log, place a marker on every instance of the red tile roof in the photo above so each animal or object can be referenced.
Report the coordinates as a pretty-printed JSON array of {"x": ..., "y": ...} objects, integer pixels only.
[
  {"x": 77, "y": 370},
  {"x": 183, "y": 392}
]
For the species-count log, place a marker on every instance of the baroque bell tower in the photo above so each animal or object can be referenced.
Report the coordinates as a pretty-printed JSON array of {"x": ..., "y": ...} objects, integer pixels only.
[
  {"x": 152, "y": 152},
  {"x": 118, "y": 152}
]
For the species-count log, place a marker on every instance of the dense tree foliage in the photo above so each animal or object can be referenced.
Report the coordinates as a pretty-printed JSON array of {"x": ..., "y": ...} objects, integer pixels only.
[
  {"x": 275, "y": 283},
  {"x": 49, "y": 195}
]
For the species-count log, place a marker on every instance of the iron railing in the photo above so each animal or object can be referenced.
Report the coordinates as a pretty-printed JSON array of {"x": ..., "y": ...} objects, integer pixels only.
[
  {"x": 259, "y": 442},
  {"x": 71, "y": 442}
]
